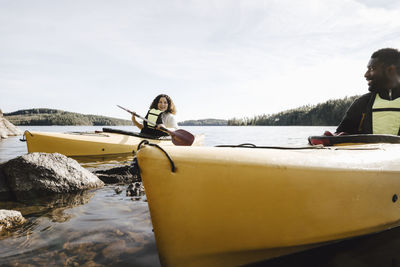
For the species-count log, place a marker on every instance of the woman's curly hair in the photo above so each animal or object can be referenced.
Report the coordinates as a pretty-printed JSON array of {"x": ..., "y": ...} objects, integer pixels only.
[{"x": 171, "y": 106}]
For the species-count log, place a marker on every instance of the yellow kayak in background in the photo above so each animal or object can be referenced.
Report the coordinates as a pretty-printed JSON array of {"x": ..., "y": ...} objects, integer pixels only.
[
  {"x": 229, "y": 206},
  {"x": 106, "y": 142}
]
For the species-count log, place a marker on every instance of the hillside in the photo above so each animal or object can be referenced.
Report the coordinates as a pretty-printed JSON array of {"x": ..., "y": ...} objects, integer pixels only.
[
  {"x": 328, "y": 113},
  {"x": 204, "y": 122},
  {"x": 44, "y": 116}
]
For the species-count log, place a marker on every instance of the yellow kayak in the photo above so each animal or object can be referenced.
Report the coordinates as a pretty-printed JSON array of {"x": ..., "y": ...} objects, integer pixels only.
[
  {"x": 106, "y": 142},
  {"x": 229, "y": 206}
]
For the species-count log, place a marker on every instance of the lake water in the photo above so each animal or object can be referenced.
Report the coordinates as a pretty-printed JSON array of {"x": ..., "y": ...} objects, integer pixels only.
[{"x": 103, "y": 228}]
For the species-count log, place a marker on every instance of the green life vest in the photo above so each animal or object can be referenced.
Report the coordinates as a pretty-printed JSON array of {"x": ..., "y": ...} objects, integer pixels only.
[
  {"x": 385, "y": 116},
  {"x": 153, "y": 117}
]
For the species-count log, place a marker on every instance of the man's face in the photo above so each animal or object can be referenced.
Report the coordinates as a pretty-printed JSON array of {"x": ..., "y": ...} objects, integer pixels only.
[{"x": 376, "y": 76}]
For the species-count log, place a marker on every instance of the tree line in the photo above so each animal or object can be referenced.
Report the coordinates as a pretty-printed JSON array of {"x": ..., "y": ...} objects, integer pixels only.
[
  {"x": 328, "y": 113},
  {"x": 204, "y": 122},
  {"x": 46, "y": 117}
]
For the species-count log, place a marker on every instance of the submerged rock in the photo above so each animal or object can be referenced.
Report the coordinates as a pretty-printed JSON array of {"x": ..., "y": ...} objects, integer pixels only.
[
  {"x": 135, "y": 189},
  {"x": 120, "y": 175},
  {"x": 10, "y": 219},
  {"x": 37, "y": 174},
  {"x": 7, "y": 128},
  {"x": 118, "y": 190}
]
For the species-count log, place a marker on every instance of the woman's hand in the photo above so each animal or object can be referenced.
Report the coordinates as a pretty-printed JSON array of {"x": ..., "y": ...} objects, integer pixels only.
[{"x": 159, "y": 126}]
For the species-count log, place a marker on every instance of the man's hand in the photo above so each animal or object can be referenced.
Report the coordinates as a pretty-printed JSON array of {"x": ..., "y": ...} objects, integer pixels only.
[{"x": 328, "y": 133}]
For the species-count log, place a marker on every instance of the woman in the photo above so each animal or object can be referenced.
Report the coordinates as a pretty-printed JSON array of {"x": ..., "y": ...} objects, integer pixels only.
[{"x": 161, "y": 113}]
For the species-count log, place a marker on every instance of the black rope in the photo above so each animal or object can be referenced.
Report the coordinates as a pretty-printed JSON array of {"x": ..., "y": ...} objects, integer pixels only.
[
  {"x": 301, "y": 148},
  {"x": 146, "y": 142},
  {"x": 23, "y": 136},
  {"x": 249, "y": 145}
]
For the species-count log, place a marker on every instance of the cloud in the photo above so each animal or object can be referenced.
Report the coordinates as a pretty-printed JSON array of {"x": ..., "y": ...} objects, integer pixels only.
[
  {"x": 215, "y": 58},
  {"x": 386, "y": 4}
]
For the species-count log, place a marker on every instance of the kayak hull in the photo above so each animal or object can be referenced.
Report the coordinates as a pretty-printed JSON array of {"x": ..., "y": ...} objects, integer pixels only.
[
  {"x": 89, "y": 143},
  {"x": 233, "y": 206}
]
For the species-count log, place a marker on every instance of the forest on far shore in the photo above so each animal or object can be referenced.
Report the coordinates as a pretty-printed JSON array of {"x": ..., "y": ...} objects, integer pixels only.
[
  {"x": 45, "y": 117},
  {"x": 328, "y": 113}
]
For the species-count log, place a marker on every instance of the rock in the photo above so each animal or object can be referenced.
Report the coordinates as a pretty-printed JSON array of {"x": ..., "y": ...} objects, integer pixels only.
[
  {"x": 37, "y": 174},
  {"x": 118, "y": 190},
  {"x": 5, "y": 192},
  {"x": 10, "y": 219},
  {"x": 135, "y": 189},
  {"x": 7, "y": 128},
  {"x": 119, "y": 175}
]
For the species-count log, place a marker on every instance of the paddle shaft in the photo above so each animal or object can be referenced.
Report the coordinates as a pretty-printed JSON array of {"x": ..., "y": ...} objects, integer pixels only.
[{"x": 146, "y": 120}]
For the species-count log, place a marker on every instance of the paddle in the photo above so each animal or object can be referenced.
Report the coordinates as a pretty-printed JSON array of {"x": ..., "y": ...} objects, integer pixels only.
[{"x": 179, "y": 137}]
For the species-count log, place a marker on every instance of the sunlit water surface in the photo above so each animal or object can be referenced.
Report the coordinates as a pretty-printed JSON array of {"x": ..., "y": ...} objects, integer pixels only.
[{"x": 103, "y": 228}]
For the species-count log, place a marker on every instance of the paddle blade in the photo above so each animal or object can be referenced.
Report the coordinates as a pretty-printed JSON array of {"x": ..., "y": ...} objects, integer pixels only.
[{"x": 182, "y": 138}]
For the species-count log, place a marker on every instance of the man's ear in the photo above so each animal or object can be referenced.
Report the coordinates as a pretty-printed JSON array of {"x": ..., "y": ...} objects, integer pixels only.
[{"x": 391, "y": 70}]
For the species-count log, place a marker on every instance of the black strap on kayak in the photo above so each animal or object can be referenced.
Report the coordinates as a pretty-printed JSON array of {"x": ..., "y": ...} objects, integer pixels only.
[
  {"x": 146, "y": 142},
  {"x": 23, "y": 136},
  {"x": 249, "y": 145}
]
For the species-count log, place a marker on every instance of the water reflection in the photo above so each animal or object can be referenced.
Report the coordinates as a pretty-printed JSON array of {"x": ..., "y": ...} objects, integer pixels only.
[
  {"x": 104, "y": 161},
  {"x": 51, "y": 206},
  {"x": 95, "y": 228}
]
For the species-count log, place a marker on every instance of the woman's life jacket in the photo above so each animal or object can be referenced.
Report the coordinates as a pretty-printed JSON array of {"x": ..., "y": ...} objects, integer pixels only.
[{"x": 154, "y": 116}]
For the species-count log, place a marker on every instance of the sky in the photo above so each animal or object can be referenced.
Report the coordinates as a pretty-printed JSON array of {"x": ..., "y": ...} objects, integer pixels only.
[{"x": 216, "y": 59}]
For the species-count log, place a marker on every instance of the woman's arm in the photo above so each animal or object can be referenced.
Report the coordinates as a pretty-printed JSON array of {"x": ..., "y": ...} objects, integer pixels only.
[
  {"x": 137, "y": 124},
  {"x": 169, "y": 121}
]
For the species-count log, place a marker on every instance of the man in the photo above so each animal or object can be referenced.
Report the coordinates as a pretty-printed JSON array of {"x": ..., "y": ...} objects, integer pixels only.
[{"x": 377, "y": 112}]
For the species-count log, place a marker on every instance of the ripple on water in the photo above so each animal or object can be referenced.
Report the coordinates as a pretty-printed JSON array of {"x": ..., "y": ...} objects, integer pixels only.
[{"x": 96, "y": 228}]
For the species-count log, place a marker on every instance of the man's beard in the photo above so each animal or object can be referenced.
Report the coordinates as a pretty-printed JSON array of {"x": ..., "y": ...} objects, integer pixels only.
[
  {"x": 373, "y": 89},
  {"x": 377, "y": 85}
]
